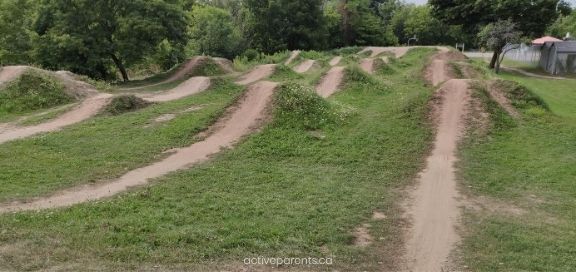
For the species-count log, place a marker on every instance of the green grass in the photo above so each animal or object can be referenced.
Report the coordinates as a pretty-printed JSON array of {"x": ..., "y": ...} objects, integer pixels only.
[
  {"x": 31, "y": 92},
  {"x": 524, "y": 168},
  {"x": 105, "y": 147},
  {"x": 298, "y": 188},
  {"x": 242, "y": 63},
  {"x": 560, "y": 95}
]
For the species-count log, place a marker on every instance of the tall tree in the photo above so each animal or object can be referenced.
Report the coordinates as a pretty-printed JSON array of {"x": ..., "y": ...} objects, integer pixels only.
[
  {"x": 496, "y": 36},
  {"x": 86, "y": 35},
  {"x": 16, "y": 31},
  {"x": 286, "y": 24},
  {"x": 362, "y": 26},
  {"x": 532, "y": 17}
]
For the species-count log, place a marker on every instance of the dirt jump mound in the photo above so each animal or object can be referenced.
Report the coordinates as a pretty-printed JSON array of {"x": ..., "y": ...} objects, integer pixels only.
[
  {"x": 258, "y": 73},
  {"x": 331, "y": 82}
]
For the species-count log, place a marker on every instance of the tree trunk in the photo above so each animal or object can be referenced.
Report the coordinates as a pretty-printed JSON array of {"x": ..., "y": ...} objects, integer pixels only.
[
  {"x": 120, "y": 67},
  {"x": 494, "y": 59}
]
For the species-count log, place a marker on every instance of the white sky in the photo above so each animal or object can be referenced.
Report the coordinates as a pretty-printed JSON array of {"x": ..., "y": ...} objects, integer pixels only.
[{"x": 573, "y": 2}]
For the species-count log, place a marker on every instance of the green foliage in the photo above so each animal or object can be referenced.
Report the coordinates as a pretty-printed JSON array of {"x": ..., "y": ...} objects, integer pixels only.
[
  {"x": 17, "y": 40},
  {"x": 125, "y": 103},
  {"x": 361, "y": 26},
  {"x": 243, "y": 63},
  {"x": 299, "y": 106},
  {"x": 286, "y": 24},
  {"x": 564, "y": 25},
  {"x": 32, "y": 91},
  {"x": 212, "y": 32},
  {"x": 417, "y": 21},
  {"x": 496, "y": 35},
  {"x": 121, "y": 33}
]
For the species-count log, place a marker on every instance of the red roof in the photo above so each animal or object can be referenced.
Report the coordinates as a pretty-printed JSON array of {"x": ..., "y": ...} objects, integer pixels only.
[{"x": 542, "y": 40}]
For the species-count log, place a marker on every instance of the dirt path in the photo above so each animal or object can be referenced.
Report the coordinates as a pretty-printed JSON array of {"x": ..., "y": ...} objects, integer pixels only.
[
  {"x": 182, "y": 72},
  {"x": 335, "y": 61},
  {"x": 375, "y": 51},
  {"x": 367, "y": 65},
  {"x": 88, "y": 108},
  {"x": 435, "y": 211},
  {"x": 305, "y": 66},
  {"x": 434, "y": 208},
  {"x": 258, "y": 73},
  {"x": 189, "y": 87},
  {"x": 9, "y": 73},
  {"x": 243, "y": 119},
  {"x": 331, "y": 81},
  {"x": 439, "y": 71},
  {"x": 529, "y": 74},
  {"x": 292, "y": 57}
]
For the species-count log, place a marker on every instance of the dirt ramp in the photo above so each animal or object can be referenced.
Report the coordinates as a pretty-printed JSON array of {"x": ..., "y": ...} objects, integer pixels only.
[
  {"x": 88, "y": 108},
  {"x": 331, "y": 82},
  {"x": 9, "y": 73},
  {"x": 258, "y": 73},
  {"x": 305, "y": 66},
  {"x": 335, "y": 61},
  {"x": 74, "y": 87},
  {"x": 225, "y": 64},
  {"x": 292, "y": 57},
  {"x": 376, "y": 51},
  {"x": 438, "y": 70},
  {"x": 242, "y": 120},
  {"x": 435, "y": 211},
  {"x": 367, "y": 65},
  {"x": 189, "y": 87}
]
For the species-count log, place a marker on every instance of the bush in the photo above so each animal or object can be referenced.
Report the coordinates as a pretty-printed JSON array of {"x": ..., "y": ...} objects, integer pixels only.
[
  {"x": 126, "y": 103},
  {"x": 299, "y": 106},
  {"x": 33, "y": 91},
  {"x": 251, "y": 54}
]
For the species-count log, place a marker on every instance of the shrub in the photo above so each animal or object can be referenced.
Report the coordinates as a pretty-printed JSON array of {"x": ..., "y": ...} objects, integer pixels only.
[{"x": 126, "y": 103}]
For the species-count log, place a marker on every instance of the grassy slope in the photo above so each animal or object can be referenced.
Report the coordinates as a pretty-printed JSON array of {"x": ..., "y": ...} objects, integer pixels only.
[
  {"x": 287, "y": 191},
  {"x": 32, "y": 92},
  {"x": 105, "y": 147},
  {"x": 528, "y": 167}
]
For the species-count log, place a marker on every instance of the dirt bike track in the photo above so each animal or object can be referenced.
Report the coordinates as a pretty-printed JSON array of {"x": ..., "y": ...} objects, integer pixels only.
[
  {"x": 189, "y": 87},
  {"x": 433, "y": 207},
  {"x": 304, "y": 66},
  {"x": 258, "y": 73},
  {"x": 240, "y": 121},
  {"x": 367, "y": 65},
  {"x": 330, "y": 82},
  {"x": 335, "y": 61}
]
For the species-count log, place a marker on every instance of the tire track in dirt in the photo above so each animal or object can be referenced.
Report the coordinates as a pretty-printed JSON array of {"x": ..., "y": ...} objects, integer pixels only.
[
  {"x": 330, "y": 82},
  {"x": 434, "y": 208},
  {"x": 293, "y": 55},
  {"x": 247, "y": 116},
  {"x": 189, "y": 87},
  {"x": 305, "y": 66},
  {"x": 335, "y": 61},
  {"x": 375, "y": 51},
  {"x": 85, "y": 110},
  {"x": 258, "y": 73}
]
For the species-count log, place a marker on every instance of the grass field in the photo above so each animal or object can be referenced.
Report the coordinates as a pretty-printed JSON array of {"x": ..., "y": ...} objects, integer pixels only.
[
  {"x": 523, "y": 171},
  {"x": 298, "y": 188},
  {"x": 105, "y": 147}
]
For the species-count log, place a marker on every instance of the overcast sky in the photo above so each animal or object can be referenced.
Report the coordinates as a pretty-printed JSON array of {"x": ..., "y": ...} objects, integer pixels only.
[{"x": 424, "y": 1}]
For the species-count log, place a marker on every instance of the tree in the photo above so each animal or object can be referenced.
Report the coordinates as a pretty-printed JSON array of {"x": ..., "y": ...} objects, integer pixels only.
[
  {"x": 286, "y": 24},
  {"x": 212, "y": 32},
  {"x": 17, "y": 37},
  {"x": 361, "y": 25},
  {"x": 88, "y": 36},
  {"x": 418, "y": 21},
  {"x": 532, "y": 17},
  {"x": 564, "y": 25},
  {"x": 497, "y": 36}
]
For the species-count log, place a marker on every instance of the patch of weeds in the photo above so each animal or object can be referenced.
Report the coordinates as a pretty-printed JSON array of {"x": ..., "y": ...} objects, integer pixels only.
[{"x": 125, "y": 103}]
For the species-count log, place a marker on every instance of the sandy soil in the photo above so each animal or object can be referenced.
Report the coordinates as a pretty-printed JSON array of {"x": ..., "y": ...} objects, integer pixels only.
[
  {"x": 9, "y": 73},
  {"x": 367, "y": 65},
  {"x": 225, "y": 64},
  {"x": 258, "y": 73},
  {"x": 88, "y": 108},
  {"x": 75, "y": 88},
  {"x": 331, "y": 81},
  {"x": 189, "y": 87},
  {"x": 292, "y": 57},
  {"x": 246, "y": 117},
  {"x": 304, "y": 66},
  {"x": 335, "y": 61},
  {"x": 438, "y": 71},
  {"x": 435, "y": 210}
]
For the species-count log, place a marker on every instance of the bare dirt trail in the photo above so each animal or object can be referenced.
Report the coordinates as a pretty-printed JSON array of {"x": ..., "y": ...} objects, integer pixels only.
[
  {"x": 189, "y": 87},
  {"x": 367, "y": 65},
  {"x": 182, "y": 72},
  {"x": 434, "y": 209},
  {"x": 304, "y": 66},
  {"x": 247, "y": 116},
  {"x": 375, "y": 51},
  {"x": 335, "y": 61},
  {"x": 257, "y": 74},
  {"x": 85, "y": 110},
  {"x": 9, "y": 73},
  {"x": 331, "y": 81},
  {"x": 292, "y": 57},
  {"x": 439, "y": 71}
]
